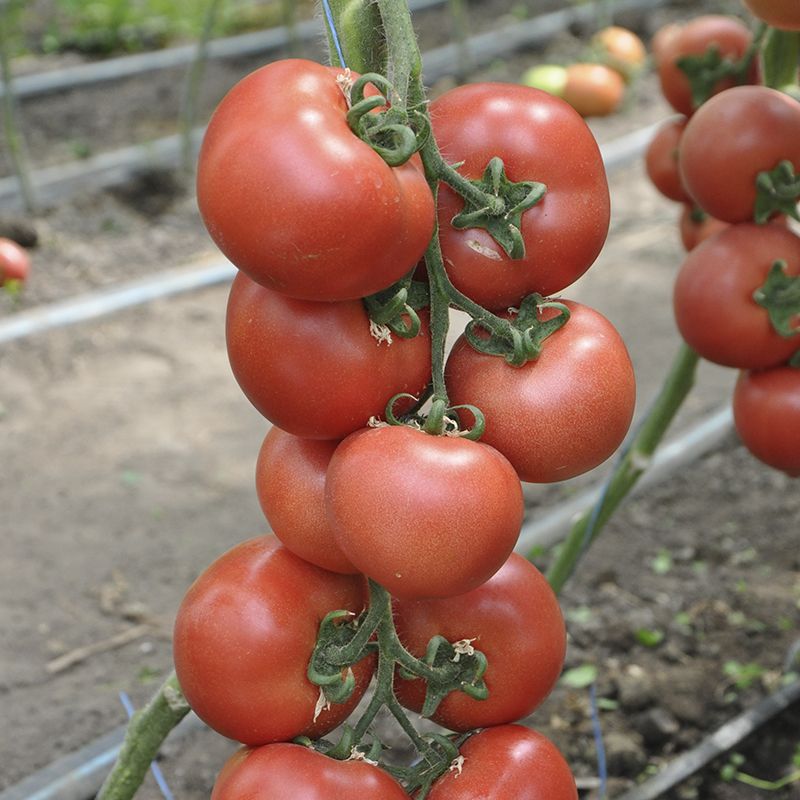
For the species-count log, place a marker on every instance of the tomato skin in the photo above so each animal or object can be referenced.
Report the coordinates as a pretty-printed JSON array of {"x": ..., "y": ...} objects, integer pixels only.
[
  {"x": 532, "y": 132},
  {"x": 694, "y": 231},
  {"x": 594, "y": 90},
  {"x": 290, "y": 484},
  {"x": 560, "y": 415},
  {"x": 784, "y": 14},
  {"x": 313, "y": 369},
  {"x": 713, "y": 297},
  {"x": 424, "y": 516},
  {"x": 516, "y": 622},
  {"x": 15, "y": 263},
  {"x": 291, "y": 771},
  {"x": 509, "y": 761},
  {"x": 295, "y": 199},
  {"x": 720, "y": 172},
  {"x": 621, "y": 49},
  {"x": 728, "y": 34},
  {"x": 766, "y": 413},
  {"x": 661, "y": 160},
  {"x": 244, "y": 635}
]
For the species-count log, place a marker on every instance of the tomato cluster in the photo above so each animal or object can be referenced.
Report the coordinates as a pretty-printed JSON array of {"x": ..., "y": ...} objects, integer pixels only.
[
  {"x": 732, "y": 160},
  {"x": 280, "y": 637}
]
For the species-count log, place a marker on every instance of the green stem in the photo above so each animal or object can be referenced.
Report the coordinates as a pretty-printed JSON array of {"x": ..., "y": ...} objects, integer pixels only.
[
  {"x": 629, "y": 469},
  {"x": 403, "y": 54},
  {"x": 358, "y": 25},
  {"x": 14, "y": 139},
  {"x": 768, "y": 786},
  {"x": 146, "y": 731},
  {"x": 194, "y": 79}
]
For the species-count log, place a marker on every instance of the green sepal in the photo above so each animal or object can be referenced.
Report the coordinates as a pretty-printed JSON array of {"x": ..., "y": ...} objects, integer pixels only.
[
  {"x": 780, "y": 55},
  {"x": 397, "y": 306},
  {"x": 503, "y": 226},
  {"x": 523, "y": 340},
  {"x": 706, "y": 70},
  {"x": 780, "y": 295},
  {"x": 335, "y": 679},
  {"x": 777, "y": 191},
  {"x": 794, "y": 361}
]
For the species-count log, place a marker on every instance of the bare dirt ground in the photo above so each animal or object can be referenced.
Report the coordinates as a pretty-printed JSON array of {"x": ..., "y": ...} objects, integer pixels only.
[{"x": 127, "y": 456}]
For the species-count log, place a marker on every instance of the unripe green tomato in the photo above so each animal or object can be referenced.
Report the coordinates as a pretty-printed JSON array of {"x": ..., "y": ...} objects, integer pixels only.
[{"x": 548, "y": 77}]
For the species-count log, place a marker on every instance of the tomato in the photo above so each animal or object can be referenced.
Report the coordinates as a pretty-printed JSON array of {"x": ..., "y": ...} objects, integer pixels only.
[
  {"x": 713, "y": 298},
  {"x": 594, "y": 90},
  {"x": 244, "y": 635},
  {"x": 728, "y": 35},
  {"x": 424, "y": 516},
  {"x": 784, "y": 14},
  {"x": 621, "y": 49},
  {"x": 292, "y": 772},
  {"x": 662, "y": 39},
  {"x": 696, "y": 226},
  {"x": 290, "y": 483},
  {"x": 515, "y": 620},
  {"x": 314, "y": 369},
  {"x": 295, "y": 199},
  {"x": 762, "y": 128},
  {"x": 560, "y": 415},
  {"x": 15, "y": 263},
  {"x": 661, "y": 160},
  {"x": 766, "y": 412},
  {"x": 506, "y": 762},
  {"x": 540, "y": 138}
]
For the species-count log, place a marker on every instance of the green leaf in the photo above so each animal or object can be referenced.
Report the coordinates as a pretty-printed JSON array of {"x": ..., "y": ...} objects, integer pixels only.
[
  {"x": 662, "y": 563},
  {"x": 579, "y": 677},
  {"x": 580, "y": 615},
  {"x": 649, "y": 637}
]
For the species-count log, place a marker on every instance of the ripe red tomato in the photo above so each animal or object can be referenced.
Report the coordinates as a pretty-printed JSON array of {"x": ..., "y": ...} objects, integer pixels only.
[
  {"x": 594, "y": 90},
  {"x": 290, "y": 483},
  {"x": 662, "y": 39},
  {"x": 728, "y": 35},
  {"x": 766, "y": 412},
  {"x": 661, "y": 160},
  {"x": 506, "y": 762},
  {"x": 295, "y": 199},
  {"x": 784, "y": 14},
  {"x": 244, "y": 635},
  {"x": 694, "y": 229},
  {"x": 515, "y": 621},
  {"x": 293, "y": 772},
  {"x": 762, "y": 128},
  {"x": 15, "y": 263},
  {"x": 424, "y": 516},
  {"x": 532, "y": 132},
  {"x": 314, "y": 369},
  {"x": 560, "y": 415},
  {"x": 713, "y": 298}
]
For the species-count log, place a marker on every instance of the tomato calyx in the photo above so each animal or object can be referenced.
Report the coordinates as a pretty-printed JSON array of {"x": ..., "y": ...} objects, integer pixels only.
[
  {"x": 502, "y": 220},
  {"x": 524, "y": 339},
  {"x": 396, "y": 307},
  {"x": 780, "y": 296},
  {"x": 386, "y": 132},
  {"x": 441, "y": 419},
  {"x": 706, "y": 70},
  {"x": 777, "y": 192}
]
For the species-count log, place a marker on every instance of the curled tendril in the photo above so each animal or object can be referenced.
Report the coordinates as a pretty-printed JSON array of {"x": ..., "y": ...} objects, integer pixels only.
[
  {"x": 479, "y": 422},
  {"x": 395, "y": 313},
  {"x": 391, "y": 417}
]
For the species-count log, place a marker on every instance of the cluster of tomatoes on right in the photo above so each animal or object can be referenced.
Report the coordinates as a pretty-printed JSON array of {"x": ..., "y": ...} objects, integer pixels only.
[{"x": 731, "y": 159}]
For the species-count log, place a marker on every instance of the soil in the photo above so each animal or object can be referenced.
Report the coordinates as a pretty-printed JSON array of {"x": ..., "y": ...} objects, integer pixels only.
[{"x": 127, "y": 457}]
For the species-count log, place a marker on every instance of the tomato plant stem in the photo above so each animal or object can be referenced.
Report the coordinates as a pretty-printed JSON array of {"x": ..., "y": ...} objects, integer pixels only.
[
  {"x": 146, "y": 731},
  {"x": 633, "y": 462}
]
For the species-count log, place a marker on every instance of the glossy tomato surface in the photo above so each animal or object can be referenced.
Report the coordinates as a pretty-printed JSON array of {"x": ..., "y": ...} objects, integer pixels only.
[
  {"x": 424, "y": 516},
  {"x": 557, "y": 416},
  {"x": 508, "y": 762},
  {"x": 766, "y": 412},
  {"x": 244, "y": 635},
  {"x": 762, "y": 128},
  {"x": 784, "y": 14},
  {"x": 290, "y": 483},
  {"x": 661, "y": 160},
  {"x": 729, "y": 36},
  {"x": 515, "y": 620},
  {"x": 540, "y": 138},
  {"x": 15, "y": 263},
  {"x": 314, "y": 369},
  {"x": 295, "y": 199},
  {"x": 293, "y": 772},
  {"x": 713, "y": 298}
]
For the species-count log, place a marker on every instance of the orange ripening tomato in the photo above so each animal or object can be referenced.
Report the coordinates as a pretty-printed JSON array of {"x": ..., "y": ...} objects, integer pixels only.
[
  {"x": 594, "y": 90},
  {"x": 621, "y": 49},
  {"x": 15, "y": 263},
  {"x": 783, "y": 14}
]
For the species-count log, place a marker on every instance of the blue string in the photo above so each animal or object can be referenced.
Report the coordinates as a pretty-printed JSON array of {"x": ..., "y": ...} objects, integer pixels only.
[
  {"x": 334, "y": 35},
  {"x": 157, "y": 773},
  {"x": 602, "y": 770}
]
